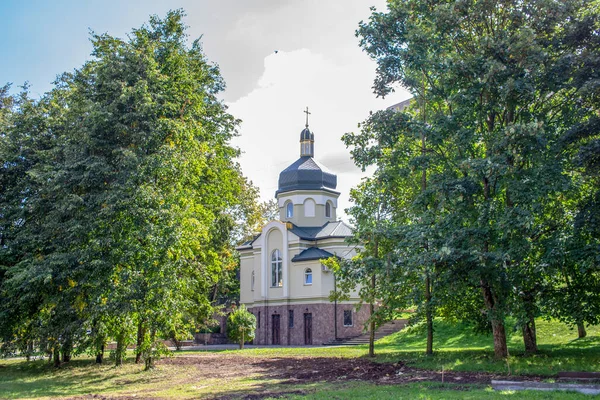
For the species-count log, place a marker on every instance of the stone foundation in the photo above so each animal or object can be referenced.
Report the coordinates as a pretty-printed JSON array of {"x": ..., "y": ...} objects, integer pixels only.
[{"x": 322, "y": 316}]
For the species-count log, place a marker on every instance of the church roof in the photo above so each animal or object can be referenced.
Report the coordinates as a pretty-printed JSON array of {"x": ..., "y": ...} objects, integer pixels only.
[
  {"x": 306, "y": 174},
  {"x": 337, "y": 229},
  {"x": 312, "y": 253}
]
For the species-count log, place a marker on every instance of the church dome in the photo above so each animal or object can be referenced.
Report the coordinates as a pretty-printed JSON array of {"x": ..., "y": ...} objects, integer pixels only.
[
  {"x": 306, "y": 174},
  {"x": 306, "y": 135}
]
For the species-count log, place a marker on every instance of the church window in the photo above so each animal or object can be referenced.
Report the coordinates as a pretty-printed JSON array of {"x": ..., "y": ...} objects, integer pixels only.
[
  {"x": 308, "y": 276},
  {"x": 309, "y": 208},
  {"x": 291, "y": 318},
  {"x": 347, "y": 317},
  {"x": 289, "y": 210},
  {"x": 258, "y": 321},
  {"x": 252, "y": 278},
  {"x": 276, "y": 275},
  {"x": 328, "y": 210}
]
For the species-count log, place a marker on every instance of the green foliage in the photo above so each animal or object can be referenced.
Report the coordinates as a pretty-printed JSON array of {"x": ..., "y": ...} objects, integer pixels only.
[
  {"x": 479, "y": 187},
  {"x": 241, "y": 325},
  {"x": 122, "y": 196}
]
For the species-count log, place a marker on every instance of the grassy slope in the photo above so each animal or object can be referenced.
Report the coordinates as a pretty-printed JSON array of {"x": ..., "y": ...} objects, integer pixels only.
[{"x": 456, "y": 348}]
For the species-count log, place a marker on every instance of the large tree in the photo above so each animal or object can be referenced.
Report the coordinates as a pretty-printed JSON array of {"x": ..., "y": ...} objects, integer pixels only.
[
  {"x": 495, "y": 79},
  {"x": 129, "y": 227}
]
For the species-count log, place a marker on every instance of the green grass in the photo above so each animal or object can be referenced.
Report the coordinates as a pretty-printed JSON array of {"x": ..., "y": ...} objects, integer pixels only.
[{"x": 456, "y": 348}]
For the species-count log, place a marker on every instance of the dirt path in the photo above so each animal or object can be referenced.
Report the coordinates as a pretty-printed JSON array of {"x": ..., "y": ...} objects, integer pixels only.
[{"x": 317, "y": 369}]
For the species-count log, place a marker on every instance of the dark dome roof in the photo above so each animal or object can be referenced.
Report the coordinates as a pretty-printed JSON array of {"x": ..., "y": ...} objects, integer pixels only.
[
  {"x": 306, "y": 135},
  {"x": 306, "y": 174}
]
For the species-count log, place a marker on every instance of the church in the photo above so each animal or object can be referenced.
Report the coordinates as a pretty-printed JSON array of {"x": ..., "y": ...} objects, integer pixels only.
[{"x": 282, "y": 280}]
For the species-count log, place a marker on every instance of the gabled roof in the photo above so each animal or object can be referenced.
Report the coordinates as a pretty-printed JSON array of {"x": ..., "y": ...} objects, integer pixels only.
[
  {"x": 247, "y": 244},
  {"x": 337, "y": 229},
  {"x": 312, "y": 253}
]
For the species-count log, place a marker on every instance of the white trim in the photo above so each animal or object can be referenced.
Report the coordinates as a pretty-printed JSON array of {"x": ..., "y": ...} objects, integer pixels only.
[{"x": 265, "y": 259}]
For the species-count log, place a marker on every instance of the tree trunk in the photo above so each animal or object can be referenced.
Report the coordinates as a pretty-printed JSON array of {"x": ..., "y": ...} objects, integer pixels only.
[
  {"x": 67, "y": 349},
  {"x": 372, "y": 325},
  {"x": 242, "y": 341},
  {"x": 149, "y": 358},
  {"x": 100, "y": 355},
  {"x": 140, "y": 339},
  {"x": 56, "y": 355},
  {"x": 119, "y": 351},
  {"x": 498, "y": 331},
  {"x": 29, "y": 349},
  {"x": 581, "y": 330},
  {"x": 529, "y": 336},
  {"x": 428, "y": 315}
]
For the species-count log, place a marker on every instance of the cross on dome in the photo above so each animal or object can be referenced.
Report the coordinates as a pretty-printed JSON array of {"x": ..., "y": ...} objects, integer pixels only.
[{"x": 307, "y": 114}]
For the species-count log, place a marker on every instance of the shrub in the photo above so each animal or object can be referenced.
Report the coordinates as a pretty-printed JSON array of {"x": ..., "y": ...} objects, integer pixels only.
[{"x": 241, "y": 326}]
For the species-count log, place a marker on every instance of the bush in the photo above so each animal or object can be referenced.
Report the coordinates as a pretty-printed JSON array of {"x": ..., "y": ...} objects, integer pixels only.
[{"x": 241, "y": 326}]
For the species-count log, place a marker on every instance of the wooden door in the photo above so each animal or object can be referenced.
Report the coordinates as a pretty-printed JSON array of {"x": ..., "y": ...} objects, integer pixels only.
[
  {"x": 308, "y": 328},
  {"x": 275, "y": 329}
]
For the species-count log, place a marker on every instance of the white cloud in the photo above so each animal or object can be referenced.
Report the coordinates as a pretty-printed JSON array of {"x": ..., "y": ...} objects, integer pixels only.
[{"x": 338, "y": 95}]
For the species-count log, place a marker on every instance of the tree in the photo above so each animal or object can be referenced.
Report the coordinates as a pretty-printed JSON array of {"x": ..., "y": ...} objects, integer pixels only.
[
  {"x": 495, "y": 81},
  {"x": 127, "y": 209},
  {"x": 241, "y": 325}
]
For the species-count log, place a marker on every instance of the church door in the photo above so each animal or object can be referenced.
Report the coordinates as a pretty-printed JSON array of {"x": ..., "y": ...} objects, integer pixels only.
[
  {"x": 276, "y": 339},
  {"x": 308, "y": 328}
]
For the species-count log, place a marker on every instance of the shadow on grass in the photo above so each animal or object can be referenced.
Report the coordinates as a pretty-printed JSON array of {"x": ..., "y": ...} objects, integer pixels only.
[{"x": 78, "y": 377}]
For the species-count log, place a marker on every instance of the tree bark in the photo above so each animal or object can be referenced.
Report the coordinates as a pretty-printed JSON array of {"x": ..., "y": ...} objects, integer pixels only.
[
  {"x": 149, "y": 358},
  {"x": 140, "y": 338},
  {"x": 242, "y": 341},
  {"x": 100, "y": 355},
  {"x": 120, "y": 350},
  {"x": 498, "y": 331},
  {"x": 67, "y": 349},
  {"x": 428, "y": 315},
  {"x": 581, "y": 330},
  {"x": 372, "y": 325},
  {"x": 529, "y": 336},
  {"x": 56, "y": 355}
]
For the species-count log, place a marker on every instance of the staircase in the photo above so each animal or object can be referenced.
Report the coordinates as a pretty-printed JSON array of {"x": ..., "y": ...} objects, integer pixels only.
[{"x": 384, "y": 330}]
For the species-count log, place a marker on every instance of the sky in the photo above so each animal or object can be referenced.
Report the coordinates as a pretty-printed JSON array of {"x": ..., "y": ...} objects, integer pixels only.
[{"x": 277, "y": 58}]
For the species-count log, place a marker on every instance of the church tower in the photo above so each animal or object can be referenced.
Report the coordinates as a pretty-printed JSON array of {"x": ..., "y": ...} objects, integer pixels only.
[
  {"x": 282, "y": 279},
  {"x": 306, "y": 192}
]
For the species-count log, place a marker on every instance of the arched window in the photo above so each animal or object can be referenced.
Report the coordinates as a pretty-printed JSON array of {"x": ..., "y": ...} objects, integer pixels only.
[
  {"x": 308, "y": 276},
  {"x": 309, "y": 208},
  {"x": 289, "y": 210},
  {"x": 276, "y": 275},
  {"x": 252, "y": 278},
  {"x": 328, "y": 210}
]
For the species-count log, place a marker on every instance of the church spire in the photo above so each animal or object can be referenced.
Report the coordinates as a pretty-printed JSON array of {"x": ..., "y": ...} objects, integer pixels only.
[{"x": 307, "y": 140}]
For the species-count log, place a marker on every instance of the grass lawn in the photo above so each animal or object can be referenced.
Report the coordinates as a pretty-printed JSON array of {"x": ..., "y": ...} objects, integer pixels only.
[{"x": 233, "y": 374}]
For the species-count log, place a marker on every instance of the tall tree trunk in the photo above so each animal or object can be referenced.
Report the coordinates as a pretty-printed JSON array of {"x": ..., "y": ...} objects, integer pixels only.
[
  {"x": 372, "y": 325},
  {"x": 149, "y": 356},
  {"x": 67, "y": 349},
  {"x": 56, "y": 354},
  {"x": 498, "y": 331},
  {"x": 29, "y": 349},
  {"x": 242, "y": 340},
  {"x": 529, "y": 336},
  {"x": 428, "y": 305},
  {"x": 140, "y": 339},
  {"x": 372, "y": 307},
  {"x": 581, "y": 330},
  {"x": 120, "y": 350},
  {"x": 428, "y": 315},
  {"x": 100, "y": 354}
]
